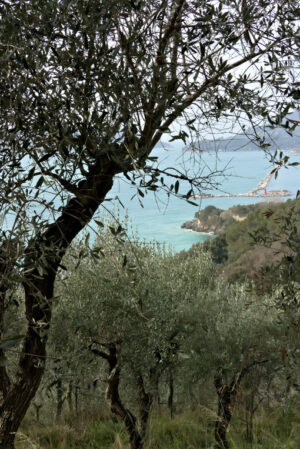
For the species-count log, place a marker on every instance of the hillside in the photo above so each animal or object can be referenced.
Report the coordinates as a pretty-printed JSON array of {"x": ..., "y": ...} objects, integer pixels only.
[
  {"x": 215, "y": 221},
  {"x": 234, "y": 248}
]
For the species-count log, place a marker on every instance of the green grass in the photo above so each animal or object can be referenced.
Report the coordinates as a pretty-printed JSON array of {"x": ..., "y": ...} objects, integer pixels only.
[
  {"x": 184, "y": 431},
  {"x": 91, "y": 431},
  {"x": 273, "y": 429}
]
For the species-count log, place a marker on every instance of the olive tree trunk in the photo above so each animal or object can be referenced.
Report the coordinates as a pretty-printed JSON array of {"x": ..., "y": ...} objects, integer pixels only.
[
  {"x": 136, "y": 430},
  {"x": 226, "y": 399},
  {"x": 42, "y": 258}
]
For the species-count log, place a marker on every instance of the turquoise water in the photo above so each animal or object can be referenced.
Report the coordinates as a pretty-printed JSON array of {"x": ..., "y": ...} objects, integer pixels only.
[{"x": 161, "y": 217}]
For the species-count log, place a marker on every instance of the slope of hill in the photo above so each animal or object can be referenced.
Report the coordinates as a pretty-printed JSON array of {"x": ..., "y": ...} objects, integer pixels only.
[
  {"x": 234, "y": 248},
  {"x": 215, "y": 221}
]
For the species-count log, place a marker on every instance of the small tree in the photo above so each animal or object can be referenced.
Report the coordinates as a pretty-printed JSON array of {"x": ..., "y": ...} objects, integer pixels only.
[
  {"x": 231, "y": 338},
  {"x": 282, "y": 280}
]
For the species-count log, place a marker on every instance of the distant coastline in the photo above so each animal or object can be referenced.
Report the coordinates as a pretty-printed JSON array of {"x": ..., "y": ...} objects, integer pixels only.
[
  {"x": 212, "y": 220},
  {"x": 260, "y": 191}
]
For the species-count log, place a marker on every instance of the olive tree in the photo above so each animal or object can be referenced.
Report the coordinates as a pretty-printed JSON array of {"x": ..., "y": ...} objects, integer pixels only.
[
  {"x": 126, "y": 309},
  {"x": 282, "y": 280},
  {"x": 233, "y": 337},
  {"x": 88, "y": 88}
]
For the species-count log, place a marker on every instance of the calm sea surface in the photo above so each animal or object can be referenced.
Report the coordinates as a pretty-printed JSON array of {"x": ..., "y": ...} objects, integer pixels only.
[{"x": 160, "y": 217}]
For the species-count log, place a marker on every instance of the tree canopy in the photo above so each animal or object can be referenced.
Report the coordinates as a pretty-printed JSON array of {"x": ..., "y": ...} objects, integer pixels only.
[{"x": 90, "y": 87}]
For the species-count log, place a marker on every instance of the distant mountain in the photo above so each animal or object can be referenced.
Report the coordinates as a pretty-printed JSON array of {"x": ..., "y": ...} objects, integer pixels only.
[{"x": 278, "y": 138}]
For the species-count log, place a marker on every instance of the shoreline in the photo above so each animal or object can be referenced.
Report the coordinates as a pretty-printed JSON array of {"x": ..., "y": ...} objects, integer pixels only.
[
  {"x": 254, "y": 193},
  {"x": 197, "y": 232}
]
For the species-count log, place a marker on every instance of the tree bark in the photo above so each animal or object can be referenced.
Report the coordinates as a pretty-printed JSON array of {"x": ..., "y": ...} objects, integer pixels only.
[{"x": 30, "y": 370}]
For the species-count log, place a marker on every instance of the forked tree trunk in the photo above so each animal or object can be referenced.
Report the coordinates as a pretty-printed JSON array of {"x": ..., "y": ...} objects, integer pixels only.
[
  {"x": 42, "y": 259},
  {"x": 137, "y": 433},
  {"x": 37, "y": 411},
  {"x": 226, "y": 397},
  {"x": 224, "y": 416},
  {"x": 114, "y": 401}
]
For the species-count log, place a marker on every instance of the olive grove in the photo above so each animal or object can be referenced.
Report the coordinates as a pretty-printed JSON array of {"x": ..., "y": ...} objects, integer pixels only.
[
  {"x": 88, "y": 88},
  {"x": 146, "y": 327}
]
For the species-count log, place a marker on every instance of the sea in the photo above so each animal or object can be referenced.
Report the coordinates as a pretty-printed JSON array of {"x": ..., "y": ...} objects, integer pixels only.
[{"x": 157, "y": 217}]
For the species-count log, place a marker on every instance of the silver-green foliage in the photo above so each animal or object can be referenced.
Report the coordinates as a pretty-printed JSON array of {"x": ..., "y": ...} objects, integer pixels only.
[{"x": 134, "y": 296}]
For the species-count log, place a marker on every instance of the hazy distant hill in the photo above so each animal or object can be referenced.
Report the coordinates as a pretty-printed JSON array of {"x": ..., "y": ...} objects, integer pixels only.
[{"x": 278, "y": 138}]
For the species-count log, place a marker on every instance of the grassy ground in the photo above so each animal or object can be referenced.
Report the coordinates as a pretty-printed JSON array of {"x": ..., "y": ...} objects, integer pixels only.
[{"x": 272, "y": 430}]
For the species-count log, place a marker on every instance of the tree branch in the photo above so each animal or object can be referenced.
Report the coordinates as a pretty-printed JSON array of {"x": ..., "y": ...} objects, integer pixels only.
[{"x": 206, "y": 85}]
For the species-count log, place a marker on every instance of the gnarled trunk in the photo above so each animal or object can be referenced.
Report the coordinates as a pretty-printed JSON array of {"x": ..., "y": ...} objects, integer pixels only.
[
  {"x": 31, "y": 365},
  {"x": 113, "y": 399},
  {"x": 137, "y": 431},
  {"x": 42, "y": 259}
]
